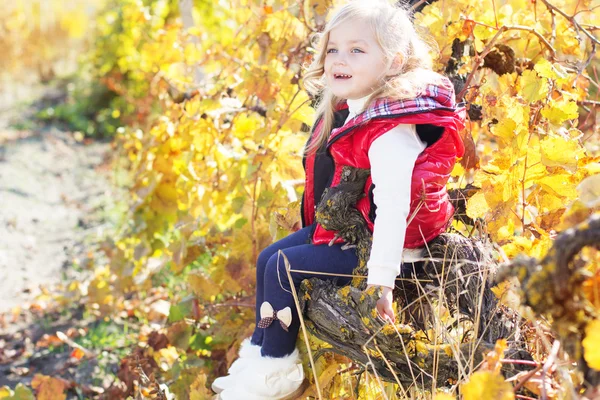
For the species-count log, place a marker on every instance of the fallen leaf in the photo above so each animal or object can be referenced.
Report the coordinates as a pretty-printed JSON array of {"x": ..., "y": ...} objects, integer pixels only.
[
  {"x": 49, "y": 340},
  {"x": 21, "y": 392},
  {"x": 77, "y": 354},
  {"x": 49, "y": 388}
]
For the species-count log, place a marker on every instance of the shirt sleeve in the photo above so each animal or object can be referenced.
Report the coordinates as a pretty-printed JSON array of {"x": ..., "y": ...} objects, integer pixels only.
[{"x": 392, "y": 157}]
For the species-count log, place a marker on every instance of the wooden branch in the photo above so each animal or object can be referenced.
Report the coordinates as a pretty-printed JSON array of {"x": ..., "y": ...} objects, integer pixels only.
[
  {"x": 542, "y": 39},
  {"x": 595, "y": 41},
  {"x": 572, "y": 20},
  {"x": 583, "y": 66}
]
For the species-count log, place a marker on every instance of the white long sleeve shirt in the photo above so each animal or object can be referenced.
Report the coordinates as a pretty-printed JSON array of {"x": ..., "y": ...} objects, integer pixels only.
[{"x": 392, "y": 157}]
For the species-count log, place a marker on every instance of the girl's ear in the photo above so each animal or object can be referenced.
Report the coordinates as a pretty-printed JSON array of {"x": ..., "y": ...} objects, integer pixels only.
[{"x": 396, "y": 66}]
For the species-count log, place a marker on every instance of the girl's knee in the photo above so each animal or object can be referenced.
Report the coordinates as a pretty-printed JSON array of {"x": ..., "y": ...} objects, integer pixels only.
[
  {"x": 276, "y": 270},
  {"x": 263, "y": 257},
  {"x": 261, "y": 263}
]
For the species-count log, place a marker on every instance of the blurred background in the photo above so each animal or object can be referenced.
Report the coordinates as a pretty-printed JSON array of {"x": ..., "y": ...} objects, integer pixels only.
[{"x": 150, "y": 149}]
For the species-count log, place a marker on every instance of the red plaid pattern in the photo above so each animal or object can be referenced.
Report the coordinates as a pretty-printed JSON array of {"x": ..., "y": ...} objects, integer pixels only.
[{"x": 433, "y": 97}]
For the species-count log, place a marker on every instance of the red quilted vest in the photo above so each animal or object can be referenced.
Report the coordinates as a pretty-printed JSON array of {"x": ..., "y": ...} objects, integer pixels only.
[{"x": 430, "y": 209}]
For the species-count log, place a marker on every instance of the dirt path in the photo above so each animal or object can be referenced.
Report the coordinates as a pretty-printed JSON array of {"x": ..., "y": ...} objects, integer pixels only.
[{"x": 49, "y": 183}]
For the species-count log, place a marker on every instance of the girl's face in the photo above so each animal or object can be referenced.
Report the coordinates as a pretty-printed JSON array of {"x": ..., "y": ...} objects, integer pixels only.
[{"x": 354, "y": 63}]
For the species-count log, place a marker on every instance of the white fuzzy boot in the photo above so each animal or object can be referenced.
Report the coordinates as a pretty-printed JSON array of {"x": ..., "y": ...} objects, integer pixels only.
[
  {"x": 248, "y": 352},
  {"x": 268, "y": 378}
]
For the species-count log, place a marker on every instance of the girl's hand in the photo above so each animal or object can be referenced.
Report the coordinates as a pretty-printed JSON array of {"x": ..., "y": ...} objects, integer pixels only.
[{"x": 384, "y": 304}]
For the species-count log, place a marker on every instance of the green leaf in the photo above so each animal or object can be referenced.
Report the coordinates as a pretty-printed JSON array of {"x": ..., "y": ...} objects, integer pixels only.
[
  {"x": 240, "y": 223},
  {"x": 22, "y": 392},
  {"x": 237, "y": 204},
  {"x": 179, "y": 311},
  {"x": 265, "y": 198}
]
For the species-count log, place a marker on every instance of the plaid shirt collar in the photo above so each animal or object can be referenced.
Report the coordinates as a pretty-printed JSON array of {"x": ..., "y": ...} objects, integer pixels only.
[{"x": 434, "y": 97}]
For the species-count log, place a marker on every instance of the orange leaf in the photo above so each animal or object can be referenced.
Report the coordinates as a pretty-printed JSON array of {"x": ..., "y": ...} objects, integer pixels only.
[
  {"x": 591, "y": 289},
  {"x": 49, "y": 340},
  {"x": 77, "y": 353},
  {"x": 492, "y": 359},
  {"x": 468, "y": 26},
  {"x": 48, "y": 388}
]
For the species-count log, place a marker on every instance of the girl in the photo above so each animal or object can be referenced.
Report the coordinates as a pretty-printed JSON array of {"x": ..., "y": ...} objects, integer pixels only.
[{"x": 382, "y": 108}]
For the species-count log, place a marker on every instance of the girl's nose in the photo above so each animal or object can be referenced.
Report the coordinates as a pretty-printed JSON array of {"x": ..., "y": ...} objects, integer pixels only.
[{"x": 340, "y": 60}]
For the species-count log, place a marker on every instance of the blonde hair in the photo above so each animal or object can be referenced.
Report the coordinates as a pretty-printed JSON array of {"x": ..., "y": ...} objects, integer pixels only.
[{"x": 398, "y": 39}]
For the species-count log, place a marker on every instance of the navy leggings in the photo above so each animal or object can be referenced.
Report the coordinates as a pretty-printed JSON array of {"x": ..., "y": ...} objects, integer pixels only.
[{"x": 273, "y": 286}]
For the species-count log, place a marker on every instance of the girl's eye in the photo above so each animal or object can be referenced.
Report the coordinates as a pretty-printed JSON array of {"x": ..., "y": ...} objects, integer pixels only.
[{"x": 354, "y": 50}]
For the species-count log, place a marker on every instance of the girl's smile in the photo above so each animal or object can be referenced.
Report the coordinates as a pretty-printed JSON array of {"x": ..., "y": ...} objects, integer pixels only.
[{"x": 354, "y": 62}]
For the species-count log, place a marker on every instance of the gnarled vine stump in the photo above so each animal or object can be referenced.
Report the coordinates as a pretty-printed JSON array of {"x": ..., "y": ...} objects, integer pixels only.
[{"x": 456, "y": 276}]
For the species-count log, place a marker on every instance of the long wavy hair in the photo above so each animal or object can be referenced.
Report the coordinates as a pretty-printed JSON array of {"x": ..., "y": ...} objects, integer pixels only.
[{"x": 399, "y": 41}]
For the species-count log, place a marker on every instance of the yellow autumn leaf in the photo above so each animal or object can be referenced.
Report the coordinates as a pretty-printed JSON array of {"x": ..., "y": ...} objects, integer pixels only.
[
  {"x": 5, "y": 392},
  {"x": 325, "y": 379},
  {"x": 198, "y": 390},
  {"x": 591, "y": 348},
  {"x": 518, "y": 245},
  {"x": 458, "y": 170},
  {"x": 558, "y": 112},
  {"x": 532, "y": 87},
  {"x": 506, "y": 295},
  {"x": 492, "y": 359},
  {"x": 191, "y": 53},
  {"x": 481, "y": 31},
  {"x": 202, "y": 286},
  {"x": 477, "y": 207},
  {"x": 166, "y": 357},
  {"x": 591, "y": 165},
  {"x": 549, "y": 203},
  {"x": 561, "y": 152},
  {"x": 506, "y": 231},
  {"x": 505, "y": 129},
  {"x": 568, "y": 41},
  {"x": 560, "y": 185},
  {"x": 245, "y": 125},
  {"x": 545, "y": 69},
  {"x": 487, "y": 385}
]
